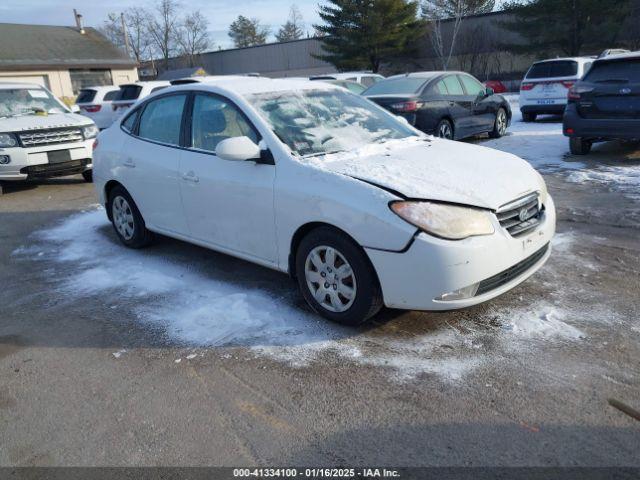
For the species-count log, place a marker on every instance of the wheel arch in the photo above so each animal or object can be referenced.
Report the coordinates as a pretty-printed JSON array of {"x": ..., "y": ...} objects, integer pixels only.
[{"x": 108, "y": 187}]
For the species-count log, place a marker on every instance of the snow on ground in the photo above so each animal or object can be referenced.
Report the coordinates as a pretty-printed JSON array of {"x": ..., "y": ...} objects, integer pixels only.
[
  {"x": 196, "y": 308},
  {"x": 543, "y": 145}
]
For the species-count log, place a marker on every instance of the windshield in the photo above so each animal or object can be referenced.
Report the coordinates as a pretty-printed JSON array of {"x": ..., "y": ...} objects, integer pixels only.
[
  {"x": 26, "y": 101},
  {"x": 313, "y": 122},
  {"x": 402, "y": 85}
]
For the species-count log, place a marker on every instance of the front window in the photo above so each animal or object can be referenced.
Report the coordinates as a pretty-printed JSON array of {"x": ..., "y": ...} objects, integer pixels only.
[
  {"x": 28, "y": 101},
  {"x": 314, "y": 122}
]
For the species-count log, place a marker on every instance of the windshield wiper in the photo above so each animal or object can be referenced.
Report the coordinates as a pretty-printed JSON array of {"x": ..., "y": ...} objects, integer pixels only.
[{"x": 317, "y": 154}]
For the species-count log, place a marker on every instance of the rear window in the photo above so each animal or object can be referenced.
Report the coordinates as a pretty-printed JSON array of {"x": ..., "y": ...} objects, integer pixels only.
[
  {"x": 563, "y": 68},
  {"x": 396, "y": 86},
  {"x": 86, "y": 96},
  {"x": 129, "y": 92},
  {"x": 627, "y": 71}
]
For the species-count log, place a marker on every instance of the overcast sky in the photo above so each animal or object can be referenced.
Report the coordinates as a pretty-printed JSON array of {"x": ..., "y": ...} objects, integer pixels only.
[{"x": 219, "y": 12}]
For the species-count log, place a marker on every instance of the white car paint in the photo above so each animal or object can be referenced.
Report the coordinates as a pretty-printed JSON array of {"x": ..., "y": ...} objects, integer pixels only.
[
  {"x": 22, "y": 157},
  {"x": 120, "y": 106},
  {"x": 540, "y": 92},
  {"x": 253, "y": 210},
  {"x": 99, "y": 108},
  {"x": 365, "y": 78}
]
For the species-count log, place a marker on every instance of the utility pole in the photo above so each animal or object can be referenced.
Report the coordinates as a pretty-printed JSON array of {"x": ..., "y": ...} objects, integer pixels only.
[{"x": 126, "y": 36}]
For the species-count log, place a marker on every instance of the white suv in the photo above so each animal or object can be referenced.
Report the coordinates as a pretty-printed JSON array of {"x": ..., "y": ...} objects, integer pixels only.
[
  {"x": 95, "y": 103},
  {"x": 40, "y": 136},
  {"x": 365, "y": 78},
  {"x": 546, "y": 85}
]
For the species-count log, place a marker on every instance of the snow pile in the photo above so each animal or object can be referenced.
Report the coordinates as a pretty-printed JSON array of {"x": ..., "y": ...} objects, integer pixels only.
[
  {"x": 542, "y": 321},
  {"x": 622, "y": 178}
]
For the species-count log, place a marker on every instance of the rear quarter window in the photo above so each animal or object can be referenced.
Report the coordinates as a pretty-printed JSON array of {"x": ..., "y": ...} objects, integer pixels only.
[
  {"x": 86, "y": 96},
  {"x": 627, "y": 71},
  {"x": 562, "y": 68},
  {"x": 112, "y": 95}
]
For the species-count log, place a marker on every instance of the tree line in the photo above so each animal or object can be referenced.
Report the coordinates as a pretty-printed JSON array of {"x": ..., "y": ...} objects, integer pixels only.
[{"x": 365, "y": 34}]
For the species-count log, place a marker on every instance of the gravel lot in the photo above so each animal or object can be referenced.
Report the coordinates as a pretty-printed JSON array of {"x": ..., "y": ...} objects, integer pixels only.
[{"x": 177, "y": 355}]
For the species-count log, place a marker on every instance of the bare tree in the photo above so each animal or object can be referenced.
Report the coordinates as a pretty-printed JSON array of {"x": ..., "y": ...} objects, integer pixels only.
[
  {"x": 112, "y": 29},
  {"x": 162, "y": 25},
  {"x": 192, "y": 36},
  {"x": 453, "y": 11},
  {"x": 136, "y": 21}
]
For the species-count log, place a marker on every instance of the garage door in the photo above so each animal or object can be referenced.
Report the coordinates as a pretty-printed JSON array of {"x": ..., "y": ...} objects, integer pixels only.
[{"x": 38, "y": 79}]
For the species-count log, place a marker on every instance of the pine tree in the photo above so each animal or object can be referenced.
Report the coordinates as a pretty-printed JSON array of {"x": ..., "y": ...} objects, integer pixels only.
[
  {"x": 573, "y": 27},
  {"x": 293, "y": 28},
  {"x": 248, "y": 32},
  {"x": 361, "y": 34}
]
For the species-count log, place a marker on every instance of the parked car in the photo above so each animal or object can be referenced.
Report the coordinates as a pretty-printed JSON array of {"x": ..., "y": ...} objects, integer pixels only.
[
  {"x": 496, "y": 85},
  {"x": 451, "y": 105},
  {"x": 365, "y": 78},
  {"x": 361, "y": 208},
  {"x": 40, "y": 136},
  {"x": 95, "y": 103},
  {"x": 130, "y": 93},
  {"x": 605, "y": 104},
  {"x": 546, "y": 83},
  {"x": 354, "y": 87}
]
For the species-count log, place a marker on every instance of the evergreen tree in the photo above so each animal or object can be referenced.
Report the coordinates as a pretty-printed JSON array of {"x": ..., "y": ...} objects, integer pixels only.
[
  {"x": 248, "y": 32},
  {"x": 573, "y": 27},
  {"x": 361, "y": 34},
  {"x": 293, "y": 28}
]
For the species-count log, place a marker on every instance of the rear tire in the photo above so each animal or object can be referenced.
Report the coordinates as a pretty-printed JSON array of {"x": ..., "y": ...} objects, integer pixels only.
[
  {"x": 529, "y": 117},
  {"x": 127, "y": 220},
  {"x": 88, "y": 176},
  {"x": 500, "y": 124},
  {"x": 336, "y": 277},
  {"x": 444, "y": 129},
  {"x": 579, "y": 145}
]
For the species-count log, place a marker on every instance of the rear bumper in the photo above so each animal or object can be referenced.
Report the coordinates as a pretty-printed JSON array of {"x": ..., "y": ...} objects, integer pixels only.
[
  {"x": 543, "y": 109},
  {"x": 431, "y": 267},
  {"x": 573, "y": 125}
]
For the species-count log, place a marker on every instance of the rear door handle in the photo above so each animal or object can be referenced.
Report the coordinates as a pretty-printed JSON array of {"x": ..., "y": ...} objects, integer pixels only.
[
  {"x": 129, "y": 163},
  {"x": 190, "y": 177}
]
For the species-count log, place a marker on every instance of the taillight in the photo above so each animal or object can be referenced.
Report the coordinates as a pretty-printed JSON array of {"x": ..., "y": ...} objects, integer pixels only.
[
  {"x": 568, "y": 83},
  {"x": 526, "y": 86},
  {"x": 575, "y": 92},
  {"x": 95, "y": 144},
  {"x": 410, "y": 106},
  {"x": 91, "y": 108}
]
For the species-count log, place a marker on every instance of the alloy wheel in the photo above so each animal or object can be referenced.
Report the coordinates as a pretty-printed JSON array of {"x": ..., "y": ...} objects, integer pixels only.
[
  {"x": 501, "y": 122},
  {"x": 330, "y": 279},
  {"x": 123, "y": 217},
  {"x": 444, "y": 131}
]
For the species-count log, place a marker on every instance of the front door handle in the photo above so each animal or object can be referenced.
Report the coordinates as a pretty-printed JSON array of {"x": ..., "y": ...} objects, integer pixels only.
[{"x": 190, "y": 177}]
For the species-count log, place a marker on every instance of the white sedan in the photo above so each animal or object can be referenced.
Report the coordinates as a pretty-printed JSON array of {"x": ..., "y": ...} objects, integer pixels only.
[{"x": 307, "y": 178}]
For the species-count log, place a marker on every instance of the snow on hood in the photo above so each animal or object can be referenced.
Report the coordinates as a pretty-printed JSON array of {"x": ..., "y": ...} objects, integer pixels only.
[
  {"x": 38, "y": 122},
  {"x": 438, "y": 169}
]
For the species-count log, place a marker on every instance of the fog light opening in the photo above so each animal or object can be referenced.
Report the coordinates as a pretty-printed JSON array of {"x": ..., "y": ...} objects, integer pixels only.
[
  {"x": 460, "y": 294},
  {"x": 5, "y": 159}
]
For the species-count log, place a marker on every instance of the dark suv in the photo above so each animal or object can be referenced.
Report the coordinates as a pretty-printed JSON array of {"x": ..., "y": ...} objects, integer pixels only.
[{"x": 605, "y": 104}]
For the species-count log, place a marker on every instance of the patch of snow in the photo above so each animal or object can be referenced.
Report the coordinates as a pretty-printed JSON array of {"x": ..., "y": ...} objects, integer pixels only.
[{"x": 119, "y": 353}]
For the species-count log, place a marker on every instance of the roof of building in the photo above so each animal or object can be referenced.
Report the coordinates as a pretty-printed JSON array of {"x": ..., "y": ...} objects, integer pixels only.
[{"x": 42, "y": 46}]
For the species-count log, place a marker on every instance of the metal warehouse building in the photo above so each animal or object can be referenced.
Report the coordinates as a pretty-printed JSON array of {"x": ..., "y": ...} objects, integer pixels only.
[{"x": 63, "y": 59}]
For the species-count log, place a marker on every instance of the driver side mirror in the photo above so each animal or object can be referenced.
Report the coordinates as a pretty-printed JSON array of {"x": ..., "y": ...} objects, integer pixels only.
[
  {"x": 238, "y": 149},
  {"x": 488, "y": 91},
  {"x": 75, "y": 108}
]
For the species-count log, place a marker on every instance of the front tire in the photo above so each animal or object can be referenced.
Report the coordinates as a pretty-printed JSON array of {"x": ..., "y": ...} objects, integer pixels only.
[
  {"x": 579, "y": 146},
  {"x": 127, "y": 220},
  {"x": 500, "y": 124},
  {"x": 336, "y": 278},
  {"x": 444, "y": 129},
  {"x": 88, "y": 176}
]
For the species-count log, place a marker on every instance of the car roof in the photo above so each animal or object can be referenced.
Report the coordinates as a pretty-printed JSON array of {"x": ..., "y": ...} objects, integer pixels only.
[
  {"x": 150, "y": 83},
  {"x": 620, "y": 56},
  {"x": 99, "y": 88},
  {"x": 567, "y": 59},
  {"x": 208, "y": 78},
  {"x": 249, "y": 85},
  {"x": 427, "y": 74},
  {"x": 8, "y": 85}
]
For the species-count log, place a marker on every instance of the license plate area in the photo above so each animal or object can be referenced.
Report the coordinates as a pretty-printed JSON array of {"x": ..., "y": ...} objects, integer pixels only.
[{"x": 59, "y": 156}]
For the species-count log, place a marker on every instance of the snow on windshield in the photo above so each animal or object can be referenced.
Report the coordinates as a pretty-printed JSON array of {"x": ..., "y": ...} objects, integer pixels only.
[
  {"x": 21, "y": 101},
  {"x": 313, "y": 122}
]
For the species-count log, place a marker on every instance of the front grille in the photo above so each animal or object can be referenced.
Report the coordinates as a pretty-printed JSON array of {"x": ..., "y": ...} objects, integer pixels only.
[
  {"x": 50, "y": 137},
  {"x": 521, "y": 215},
  {"x": 56, "y": 169},
  {"x": 509, "y": 274}
]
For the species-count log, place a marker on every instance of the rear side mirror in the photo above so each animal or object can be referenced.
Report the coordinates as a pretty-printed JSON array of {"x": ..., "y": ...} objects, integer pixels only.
[
  {"x": 238, "y": 149},
  {"x": 75, "y": 108},
  {"x": 489, "y": 91}
]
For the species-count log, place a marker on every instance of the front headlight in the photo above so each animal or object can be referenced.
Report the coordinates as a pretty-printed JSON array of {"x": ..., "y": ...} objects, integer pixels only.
[
  {"x": 8, "y": 140},
  {"x": 90, "y": 131},
  {"x": 443, "y": 220}
]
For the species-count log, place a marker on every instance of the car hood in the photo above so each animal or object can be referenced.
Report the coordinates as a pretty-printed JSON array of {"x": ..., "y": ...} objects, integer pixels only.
[
  {"x": 39, "y": 122},
  {"x": 441, "y": 170}
]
